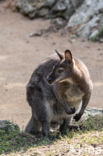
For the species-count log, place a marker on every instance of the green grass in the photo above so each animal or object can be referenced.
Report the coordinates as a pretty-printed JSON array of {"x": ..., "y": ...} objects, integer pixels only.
[
  {"x": 13, "y": 140},
  {"x": 91, "y": 132}
]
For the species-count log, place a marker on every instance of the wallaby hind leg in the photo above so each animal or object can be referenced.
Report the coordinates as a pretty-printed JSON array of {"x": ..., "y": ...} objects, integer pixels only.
[
  {"x": 33, "y": 126},
  {"x": 65, "y": 125},
  {"x": 40, "y": 108},
  {"x": 45, "y": 128}
]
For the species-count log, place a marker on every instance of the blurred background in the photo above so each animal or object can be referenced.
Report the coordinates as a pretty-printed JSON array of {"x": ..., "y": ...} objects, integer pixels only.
[{"x": 30, "y": 31}]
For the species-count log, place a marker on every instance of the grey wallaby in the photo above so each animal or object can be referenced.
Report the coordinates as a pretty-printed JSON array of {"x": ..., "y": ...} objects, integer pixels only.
[{"x": 58, "y": 91}]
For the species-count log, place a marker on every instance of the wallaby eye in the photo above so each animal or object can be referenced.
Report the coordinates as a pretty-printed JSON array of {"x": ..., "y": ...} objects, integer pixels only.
[{"x": 60, "y": 70}]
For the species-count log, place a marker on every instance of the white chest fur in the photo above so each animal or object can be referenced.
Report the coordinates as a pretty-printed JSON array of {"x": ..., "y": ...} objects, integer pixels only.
[
  {"x": 74, "y": 97},
  {"x": 73, "y": 94}
]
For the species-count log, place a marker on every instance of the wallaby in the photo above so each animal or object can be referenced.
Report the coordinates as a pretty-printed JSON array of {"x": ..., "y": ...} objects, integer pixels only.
[{"x": 58, "y": 91}]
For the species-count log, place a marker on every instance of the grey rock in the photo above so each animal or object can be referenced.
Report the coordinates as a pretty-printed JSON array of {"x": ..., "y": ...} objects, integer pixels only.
[
  {"x": 58, "y": 22},
  {"x": 87, "y": 17},
  {"x": 70, "y": 9},
  {"x": 66, "y": 8},
  {"x": 77, "y": 3},
  {"x": 8, "y": 126},
  {"x": 25, "y": 7},
  {"x": 94, "y": 34},
  {"x": 84, "y": 15},
  {"x": 85, "y": 29},
  {"x": 31, "y": 15},
  {"x": 39, "y": 4},
  {"x": 59, "y": 7},
  {"x": 49, "y": 3},
  {"x": 92, "y": 112},
  {"x": 101, "y": 20},
  {"x": 43, "y": 13},
  {"x": 88, "y": 9}
]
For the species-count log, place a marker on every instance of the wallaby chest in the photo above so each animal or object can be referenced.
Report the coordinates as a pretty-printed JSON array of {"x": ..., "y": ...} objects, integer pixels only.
[{"x": 73, "y": 94}]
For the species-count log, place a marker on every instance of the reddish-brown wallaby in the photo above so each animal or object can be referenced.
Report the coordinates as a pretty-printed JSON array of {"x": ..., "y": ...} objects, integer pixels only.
[{"x": 58, "y": 91}]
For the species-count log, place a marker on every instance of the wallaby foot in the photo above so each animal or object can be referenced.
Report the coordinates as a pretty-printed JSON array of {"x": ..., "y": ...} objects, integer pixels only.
[
  {"x": 74, "y": 127},
  {"x": 45, "y": 129},
  {"x": 64, "y": 127},
  {"x": 33, "y": 126}
]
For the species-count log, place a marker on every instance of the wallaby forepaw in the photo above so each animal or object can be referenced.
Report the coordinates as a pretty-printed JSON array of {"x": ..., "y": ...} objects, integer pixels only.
[{"x": 77, "y": 117}]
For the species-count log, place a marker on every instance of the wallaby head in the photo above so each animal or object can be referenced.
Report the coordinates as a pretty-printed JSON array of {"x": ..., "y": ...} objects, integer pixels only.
[{"x": 63, "y": 69}]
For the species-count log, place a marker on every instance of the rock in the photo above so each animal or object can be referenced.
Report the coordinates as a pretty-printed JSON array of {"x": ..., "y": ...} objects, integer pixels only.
[
  {"x": 94, "y": 34},
  {"x": 59, "y": 7},
  {"x": 48, "y": 8},
  {"x": 77, "y": 3},
  {"x": 87, "y": 10},
  {"x": 39, "y": 4},
  {"x": 97, "y": 35},
  {"x": 87, "y": 17},
  {"x": 49, "y": 3},
  {"x": 58, "y": 22},
  {"x": 92, "y": 112},
  {"x": 37, "y": 34},
  {"x": 85, "y": 29},
  {"x": 8, "y": 126},
  {"x": 83, "y": 16},
  {"x": 26, "y": 8},
  {"x": 43, "y": 13}
]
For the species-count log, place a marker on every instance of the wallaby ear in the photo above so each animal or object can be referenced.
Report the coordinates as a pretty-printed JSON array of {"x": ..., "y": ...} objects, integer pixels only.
[
  {"x": 60, "y": 55},
  {"x": 68, "y": 56}
]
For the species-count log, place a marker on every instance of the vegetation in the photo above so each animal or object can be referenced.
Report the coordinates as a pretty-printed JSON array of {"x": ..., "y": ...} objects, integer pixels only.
[{"x": 12, "y": 140}]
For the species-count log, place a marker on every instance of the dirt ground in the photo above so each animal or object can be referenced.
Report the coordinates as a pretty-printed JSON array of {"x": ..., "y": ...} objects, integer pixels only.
[{"x": 20, "y": 54}]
